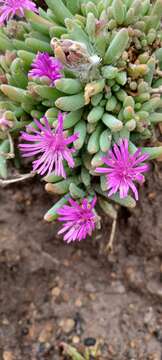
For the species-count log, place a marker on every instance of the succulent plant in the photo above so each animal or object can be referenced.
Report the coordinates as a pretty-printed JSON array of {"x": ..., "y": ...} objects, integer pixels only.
[{"x": 90, "y": 73}]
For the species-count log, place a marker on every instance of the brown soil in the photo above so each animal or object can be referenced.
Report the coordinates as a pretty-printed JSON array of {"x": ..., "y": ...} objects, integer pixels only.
[{"x": 51, "y": 292}]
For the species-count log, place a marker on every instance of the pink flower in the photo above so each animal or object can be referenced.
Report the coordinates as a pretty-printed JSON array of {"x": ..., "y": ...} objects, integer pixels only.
[
  {"x": 10, "y": 8},
  {"x": 123, "y": 169},
  {"x": 52, "y": 146},
  {"x": 47, "y": 67},
  {"x": 79, "y": 219},
  {"x": 5, "y": 124}
]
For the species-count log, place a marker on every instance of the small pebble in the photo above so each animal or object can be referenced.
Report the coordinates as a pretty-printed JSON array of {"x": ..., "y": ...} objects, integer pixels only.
[
  {"x": 5, "y": 321},
  {"x": 76, "y": 340},
  {"x": 46, "y": 333},
  {"x": 56, "y": 291},
  {"x": 149, "y": 317},
  {"x": 78, "y": 302},
  {"x": 67, "y": 325},
  {"x": 66, "y": 263},
  {"x": 113, "y": 276},
  {"x": 152, "y": 195},
  {"x": 135, "y": 278},
  {"x": 7, "y": 355},
  {"x": 133, "y": 344},
  {"x": 154, "y": 288},
  {"x": 111, "y": 350},
  {"x": 90, "y": 341},
  {"x": 92, "y": 296}
]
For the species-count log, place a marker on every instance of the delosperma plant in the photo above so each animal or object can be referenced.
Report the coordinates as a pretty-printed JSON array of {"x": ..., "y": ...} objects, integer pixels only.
[{"x": 80, "y": 97}]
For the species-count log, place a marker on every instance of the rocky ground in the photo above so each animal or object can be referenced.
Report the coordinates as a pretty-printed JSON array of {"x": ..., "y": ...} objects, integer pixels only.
[{"x": 52, "y": 293}]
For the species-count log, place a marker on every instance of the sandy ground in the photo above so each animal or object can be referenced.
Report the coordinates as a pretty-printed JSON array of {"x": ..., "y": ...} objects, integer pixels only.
[{"x": 51, "y": 292}]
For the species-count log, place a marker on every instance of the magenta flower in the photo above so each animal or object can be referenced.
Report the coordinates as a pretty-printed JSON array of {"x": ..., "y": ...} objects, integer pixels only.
[
  {"x": 46, "y": 67},
  {"x": 79, "y": 219},
  {"x": 123, "y": 169},
  {"x": 10, "y": 8},
  {"x": 52, "y": 146},
  {"x": 5, "y": 124}
]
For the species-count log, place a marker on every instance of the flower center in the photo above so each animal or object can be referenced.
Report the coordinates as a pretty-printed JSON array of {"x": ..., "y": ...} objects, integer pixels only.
[
  {"x": 124, "y": 171},
  {"x": 55, "y": 142},
  {"x": 85, "y": 217}
]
